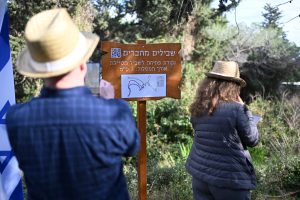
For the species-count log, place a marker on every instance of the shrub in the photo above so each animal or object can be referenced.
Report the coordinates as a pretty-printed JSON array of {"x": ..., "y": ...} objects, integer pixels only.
[
  {"x": 167, "y": 178},
  {"x": 276, "y": 158}
]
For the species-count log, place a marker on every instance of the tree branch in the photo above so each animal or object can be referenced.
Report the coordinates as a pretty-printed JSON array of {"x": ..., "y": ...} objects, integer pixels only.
[{"x": 223, "y": 8}]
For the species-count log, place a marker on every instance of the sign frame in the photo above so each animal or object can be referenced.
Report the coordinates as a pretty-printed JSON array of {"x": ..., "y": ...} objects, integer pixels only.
[{"x": 142, "y": 58}]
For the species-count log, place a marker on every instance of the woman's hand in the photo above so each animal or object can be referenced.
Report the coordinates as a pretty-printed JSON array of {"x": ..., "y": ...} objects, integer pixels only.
[{"x": 106, "y": 89}]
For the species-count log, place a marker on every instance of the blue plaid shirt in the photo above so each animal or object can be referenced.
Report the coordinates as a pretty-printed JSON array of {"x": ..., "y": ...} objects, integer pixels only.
[{"x": 70, "y": 144}]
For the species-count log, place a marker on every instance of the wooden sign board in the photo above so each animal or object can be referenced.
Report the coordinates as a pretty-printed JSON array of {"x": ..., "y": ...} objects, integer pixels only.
[{"x": 142, "y": 71}]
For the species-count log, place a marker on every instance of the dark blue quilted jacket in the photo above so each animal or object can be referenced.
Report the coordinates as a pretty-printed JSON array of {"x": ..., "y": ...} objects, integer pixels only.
[{"x": 218, "y": 154}]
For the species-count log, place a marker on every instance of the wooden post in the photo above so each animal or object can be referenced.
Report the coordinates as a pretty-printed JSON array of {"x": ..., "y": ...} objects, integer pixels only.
[{"x": 142, "y": 156}]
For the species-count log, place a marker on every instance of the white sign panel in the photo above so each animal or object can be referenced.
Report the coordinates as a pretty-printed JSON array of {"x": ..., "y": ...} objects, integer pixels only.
[{"x": 143, "y": 85}]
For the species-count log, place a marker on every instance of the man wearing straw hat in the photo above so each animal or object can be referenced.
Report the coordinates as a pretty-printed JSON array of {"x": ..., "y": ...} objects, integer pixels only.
[{"x": 69, "y": 143}]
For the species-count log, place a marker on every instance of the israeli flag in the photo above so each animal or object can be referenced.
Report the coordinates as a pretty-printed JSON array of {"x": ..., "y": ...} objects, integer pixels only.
[{"x": 10, "y": 178}]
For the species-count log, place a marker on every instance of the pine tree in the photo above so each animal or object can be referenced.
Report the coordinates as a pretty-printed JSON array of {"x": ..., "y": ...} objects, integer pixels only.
[{"x": 271, "y": 16}]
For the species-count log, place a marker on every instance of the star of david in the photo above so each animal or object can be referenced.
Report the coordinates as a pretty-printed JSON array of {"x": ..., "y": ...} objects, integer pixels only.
[{"x": 5, "y": 157}]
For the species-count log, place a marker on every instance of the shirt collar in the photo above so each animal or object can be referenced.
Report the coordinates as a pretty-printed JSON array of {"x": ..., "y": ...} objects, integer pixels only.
[{"x": 75, "y": 91}]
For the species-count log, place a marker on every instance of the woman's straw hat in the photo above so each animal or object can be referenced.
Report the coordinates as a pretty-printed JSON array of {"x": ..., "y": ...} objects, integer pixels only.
[
  {"x": 55, "y": 46},
  {"x": 226, "y": 70}
]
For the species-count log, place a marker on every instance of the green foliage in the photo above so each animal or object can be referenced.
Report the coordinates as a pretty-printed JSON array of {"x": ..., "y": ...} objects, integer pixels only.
[
  {"x": 25, "y": 88},
  {"x": 167, "y": 177},
  {"x": 169, "y": 119},
  {"x": 272, "y": 16},
  {"x": 259, "y": 154},
  {"x": 171, "y": 183},
  {"x": 265, "y": 56},
  {"x": 224, "y": 6},
  {"x": 276, "y": 158},
  {"x": 125, "y": 20},
  {"x": 185, "y": 149}
]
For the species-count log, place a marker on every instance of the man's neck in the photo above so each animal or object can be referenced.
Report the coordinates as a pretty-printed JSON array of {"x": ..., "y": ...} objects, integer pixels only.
[
  {"x": 74, "y": 78},
  {"x": 64, "y": 85}
]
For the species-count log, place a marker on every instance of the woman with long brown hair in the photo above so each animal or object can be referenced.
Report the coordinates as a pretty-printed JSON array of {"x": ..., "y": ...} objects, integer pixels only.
[{"x": 219, "y": 161}]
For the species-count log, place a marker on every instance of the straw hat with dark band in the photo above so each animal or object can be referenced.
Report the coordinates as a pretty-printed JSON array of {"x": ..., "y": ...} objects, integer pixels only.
[
  {"x": 55, "y": 46},
  {"x": 226, "y": 70}
]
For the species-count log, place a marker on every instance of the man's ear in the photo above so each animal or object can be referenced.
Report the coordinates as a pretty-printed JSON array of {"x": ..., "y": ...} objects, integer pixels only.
[
  {"x": 83, "y": 70},
  {"x": 83, "y": 67}
]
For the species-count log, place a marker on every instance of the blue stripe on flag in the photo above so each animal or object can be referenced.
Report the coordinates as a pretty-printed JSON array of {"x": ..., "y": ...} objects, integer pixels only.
[
  {"x": 8, "y": 155},
  {"x": 3, "y": 112},
  {"x": 4, "y": 42},
  {"x": 17, "y": 193}
]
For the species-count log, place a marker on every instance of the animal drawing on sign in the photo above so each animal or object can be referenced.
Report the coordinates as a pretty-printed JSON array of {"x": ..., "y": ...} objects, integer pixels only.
[{"x": 139, "y": 84}]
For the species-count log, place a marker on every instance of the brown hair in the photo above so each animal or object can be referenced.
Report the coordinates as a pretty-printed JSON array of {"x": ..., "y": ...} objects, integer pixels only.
[{"x": 210, "y": 93}]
